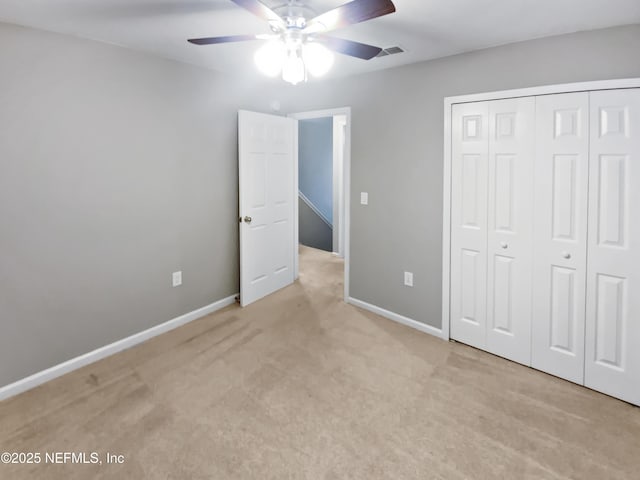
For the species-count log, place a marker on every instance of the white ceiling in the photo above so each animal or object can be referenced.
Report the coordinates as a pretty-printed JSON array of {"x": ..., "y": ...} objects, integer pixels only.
[{"x": 426, "y": 29}]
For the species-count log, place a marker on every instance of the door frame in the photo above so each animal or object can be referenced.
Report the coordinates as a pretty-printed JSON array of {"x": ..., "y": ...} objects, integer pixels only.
[
  {"x": 446, "y": 187},
  {"x": 339, "y": 132},
  {"x": 346, "y": 181}
]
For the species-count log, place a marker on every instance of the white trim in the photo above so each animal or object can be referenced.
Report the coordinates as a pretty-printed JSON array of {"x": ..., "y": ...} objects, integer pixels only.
[
  {"x": 409, "y": 322},
  {"x": 347, "y": 204},
  {"x": 339, "y": 133},
  {"x": 296, "y": 233},
  {"x": 314, "y": 208},
  {"x": 346, "y": 111},
  {"x": 547, "y": 90},
  {"x": 44, "y": 376},
  {"x": 446, "y": 187},
  {"x": 329, "y": 112},
  {"x": 446, "y": 222}
]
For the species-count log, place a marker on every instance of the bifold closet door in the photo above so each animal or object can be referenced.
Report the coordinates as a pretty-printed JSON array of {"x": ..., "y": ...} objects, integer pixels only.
[
  {"x": 509, "y": 229},
  {"x": 613, "y": 268},
  {"x": 560, "y": 229},
  {"x": 491, "y": 210},
  {"x": 470, "y": 150}
]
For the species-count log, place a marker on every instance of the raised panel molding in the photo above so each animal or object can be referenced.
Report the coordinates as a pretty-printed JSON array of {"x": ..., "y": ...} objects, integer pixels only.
[
  {"x": 503, "y": 294},
  {"x": 279, "y": 137},
  {"x": 279, "y": 178},
  {"x": 504, "y": 195},
  {"x": 505, "y": 126},
  {"x": 564, "y": 197},
  {"x": 612, "y": 200},
  {"x": 614, "y": 121},
  {"x": 567, "y": 123},
  {"x": 610, "y": 320},
  {"x": 563, "y": 309},
  {"x": 470, "y": 190},
  {"x": 469, "y": 287},
  {"x": 258, "y": 133},
  {"x": 257, "y": 172},
  {"x": 472, "y": 127}
]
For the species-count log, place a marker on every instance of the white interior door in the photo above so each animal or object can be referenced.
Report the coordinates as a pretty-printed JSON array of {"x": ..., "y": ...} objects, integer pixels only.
[
  {"x": 509, "y": 233},
  {"x": 560, "y": 234},
  {"x": 470, "y": 150},
  {"x": 613, "y": 269},
  {"x": 267, "y": 193}
]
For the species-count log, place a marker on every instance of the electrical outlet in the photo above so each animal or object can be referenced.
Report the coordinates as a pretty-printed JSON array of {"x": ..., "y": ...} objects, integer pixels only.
[
  {"x": 177, "y": 279},
  {"x": 364, "y": 198},
  {"x": 408, "y": 279}
]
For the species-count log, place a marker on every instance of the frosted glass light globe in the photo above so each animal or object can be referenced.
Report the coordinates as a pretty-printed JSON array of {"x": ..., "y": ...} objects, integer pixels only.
[
  {"x": 270, "y": 57},
  {"x": 293, "y": 68},
  {"x": 317, "y": 58}
]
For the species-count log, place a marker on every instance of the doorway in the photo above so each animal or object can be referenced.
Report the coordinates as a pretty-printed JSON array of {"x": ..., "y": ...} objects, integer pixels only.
[{"x": 322, "y": 177}]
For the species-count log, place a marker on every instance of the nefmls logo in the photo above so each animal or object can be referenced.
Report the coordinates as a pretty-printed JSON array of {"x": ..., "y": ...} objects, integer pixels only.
[{"x": 72, "y": 457}]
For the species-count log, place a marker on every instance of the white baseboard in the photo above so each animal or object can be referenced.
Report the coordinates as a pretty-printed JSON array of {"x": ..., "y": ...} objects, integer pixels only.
[
  {"x": 436, "y": 332},
  {"x": 75, "y": 363}
]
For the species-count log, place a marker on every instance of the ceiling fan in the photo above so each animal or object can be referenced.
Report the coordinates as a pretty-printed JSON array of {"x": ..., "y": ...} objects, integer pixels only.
[{"x": 298, "y": 43}]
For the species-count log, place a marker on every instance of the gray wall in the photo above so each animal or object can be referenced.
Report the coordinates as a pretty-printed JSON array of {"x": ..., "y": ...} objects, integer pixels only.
[
  {"x": 315, "y": 163},
  {"x": 312, "y": 230},
  {"x": 116, "y": 169},
  {"x": 397, "y": 153}
]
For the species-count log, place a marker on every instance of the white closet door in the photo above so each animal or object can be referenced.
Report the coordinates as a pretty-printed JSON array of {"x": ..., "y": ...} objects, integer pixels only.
[
  {"x": 509, "y": 242},
  {"x": 613, "y": 271},
  {"x": 560, "y": 234},
  {"x": 469, "y": 223}
]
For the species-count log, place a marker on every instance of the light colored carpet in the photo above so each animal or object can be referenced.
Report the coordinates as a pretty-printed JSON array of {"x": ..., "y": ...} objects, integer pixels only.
[{"x": 303, "y": 386}]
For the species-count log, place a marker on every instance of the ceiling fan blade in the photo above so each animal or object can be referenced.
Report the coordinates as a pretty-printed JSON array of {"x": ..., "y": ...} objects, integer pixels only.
[
  {"x": 261, "y": 10},
  {"x": 227, "y": 39},
  {"x": 348, "y": 47},
  {"x": 355, "y": 11}
]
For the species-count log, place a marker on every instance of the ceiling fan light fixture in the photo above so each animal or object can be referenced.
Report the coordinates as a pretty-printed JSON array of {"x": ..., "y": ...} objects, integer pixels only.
[
  {"x": 299, "y": 49},
  {"x": 293, "y": 70},
  {"x": 270, "y": 58},
  {"x": 317, "y": 58}
]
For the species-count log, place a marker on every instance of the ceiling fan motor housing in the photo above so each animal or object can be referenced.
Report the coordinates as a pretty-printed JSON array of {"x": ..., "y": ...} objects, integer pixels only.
[{"x": 295, "y": 14}]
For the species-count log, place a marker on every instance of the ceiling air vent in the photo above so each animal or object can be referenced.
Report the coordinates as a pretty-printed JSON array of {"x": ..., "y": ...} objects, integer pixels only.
[{"x": 389, "y": 51}]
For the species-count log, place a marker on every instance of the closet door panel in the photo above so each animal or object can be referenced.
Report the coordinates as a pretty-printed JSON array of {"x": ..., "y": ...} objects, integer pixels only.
[
  {"x": 560, "y": 234},
  {"x": 613, "y": 281},
  {"x": 509, "y": 234},
  {"x": 469, "y": 223}
]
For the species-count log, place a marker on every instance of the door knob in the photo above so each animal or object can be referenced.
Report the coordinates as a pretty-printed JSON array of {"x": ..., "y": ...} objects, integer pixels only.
[
  {"x": 247, "y": 219},
  {"x": 566, "y": 255},
  {"x": 504, "y": 244}
]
